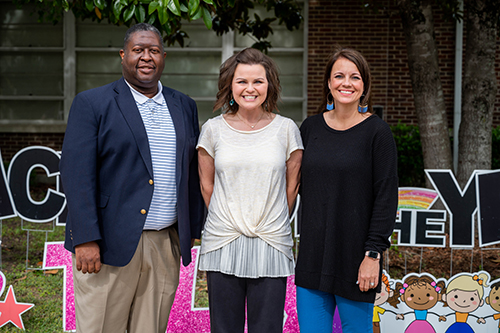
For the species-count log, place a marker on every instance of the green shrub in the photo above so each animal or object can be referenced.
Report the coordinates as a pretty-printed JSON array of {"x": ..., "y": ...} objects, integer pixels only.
[{"x": 410, "y": 158}]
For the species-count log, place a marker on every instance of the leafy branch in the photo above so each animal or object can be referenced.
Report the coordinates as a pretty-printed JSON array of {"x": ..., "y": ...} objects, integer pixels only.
[{"x": 168, "y": 15}]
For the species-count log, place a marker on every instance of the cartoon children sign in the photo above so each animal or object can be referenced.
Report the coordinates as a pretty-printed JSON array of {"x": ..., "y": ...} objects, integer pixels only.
[
  {"x": 422, "y": 303},
  {"x": 493, "y": 300},
  {"x": 386, "y": 294},
  {"x": 420, "y": 293},
  {"x": 464, "y": 295}
]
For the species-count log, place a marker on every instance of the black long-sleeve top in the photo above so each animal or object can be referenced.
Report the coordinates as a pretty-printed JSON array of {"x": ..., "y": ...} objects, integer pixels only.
[{"x": 349, "y": 195}]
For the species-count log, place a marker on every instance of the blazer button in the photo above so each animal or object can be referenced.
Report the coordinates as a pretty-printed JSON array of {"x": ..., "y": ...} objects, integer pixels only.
[
  {"x": 143, "y": 211},
  {"x": 150, "y": 182}
]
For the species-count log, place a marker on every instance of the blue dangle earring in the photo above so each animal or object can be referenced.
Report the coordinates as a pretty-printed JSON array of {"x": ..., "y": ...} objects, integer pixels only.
[
  {"x": 330, "y": 102},
  {"x": 362, "y": 108},
  {"x": 231, "y": 102}
]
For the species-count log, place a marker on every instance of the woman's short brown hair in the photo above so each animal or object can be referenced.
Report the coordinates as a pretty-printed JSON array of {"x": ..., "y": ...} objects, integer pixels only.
[
  {"x": 247, "y": 56},
  {"x": 364, "y": 70}
]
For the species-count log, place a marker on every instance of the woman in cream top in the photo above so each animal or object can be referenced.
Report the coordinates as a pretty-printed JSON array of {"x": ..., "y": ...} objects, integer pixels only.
[{"x": 249, "y": 163}]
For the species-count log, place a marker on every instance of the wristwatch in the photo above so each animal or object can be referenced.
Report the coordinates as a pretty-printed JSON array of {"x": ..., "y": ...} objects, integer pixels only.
[{"x": 373, "y": 254}]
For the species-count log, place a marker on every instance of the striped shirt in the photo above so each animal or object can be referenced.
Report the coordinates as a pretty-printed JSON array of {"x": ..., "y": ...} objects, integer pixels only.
[{"x": 162, "y": 144}]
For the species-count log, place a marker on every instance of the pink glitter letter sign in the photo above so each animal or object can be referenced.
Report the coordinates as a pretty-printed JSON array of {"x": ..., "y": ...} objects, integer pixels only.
[
  {"x": 56, "y": 256},
  {"x": 184, "y": 317}
]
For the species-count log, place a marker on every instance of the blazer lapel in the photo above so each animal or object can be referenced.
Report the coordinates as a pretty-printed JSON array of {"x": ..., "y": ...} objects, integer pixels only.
[
  {"x": 175, "y": 108},
  {"x": 128, "y": 108}
]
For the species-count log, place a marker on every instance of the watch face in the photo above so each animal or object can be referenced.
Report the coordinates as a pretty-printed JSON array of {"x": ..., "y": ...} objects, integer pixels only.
[{"x": 373, "y": 254}]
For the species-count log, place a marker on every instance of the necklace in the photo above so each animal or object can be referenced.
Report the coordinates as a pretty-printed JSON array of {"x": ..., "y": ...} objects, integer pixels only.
[{"x": 251, "y": 126}]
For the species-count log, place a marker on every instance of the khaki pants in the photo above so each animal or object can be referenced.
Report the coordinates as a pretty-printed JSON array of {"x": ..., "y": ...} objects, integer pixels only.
[{"x": 136, "y": 297}]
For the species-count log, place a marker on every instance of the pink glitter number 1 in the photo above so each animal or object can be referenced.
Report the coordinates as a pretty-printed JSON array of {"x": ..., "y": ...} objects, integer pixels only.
[
  {"x": 56, "y": 256},
  {"x": 3, "y": 282}
]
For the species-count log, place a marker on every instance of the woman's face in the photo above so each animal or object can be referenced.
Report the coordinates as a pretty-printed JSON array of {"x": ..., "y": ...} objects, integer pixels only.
[
  {"x": 463, "y": 301},
  {"x": 420, "y": 297},
  {"x": 249, "y": 86},
  {"x": 345, "y": 83}
]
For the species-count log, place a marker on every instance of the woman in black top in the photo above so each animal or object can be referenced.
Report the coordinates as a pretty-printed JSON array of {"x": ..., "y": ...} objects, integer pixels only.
[{"x": 349, "y": 193}]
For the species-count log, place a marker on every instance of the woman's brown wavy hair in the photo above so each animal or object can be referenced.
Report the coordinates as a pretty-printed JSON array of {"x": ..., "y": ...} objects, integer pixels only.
[{"x": 247, "y": 56}]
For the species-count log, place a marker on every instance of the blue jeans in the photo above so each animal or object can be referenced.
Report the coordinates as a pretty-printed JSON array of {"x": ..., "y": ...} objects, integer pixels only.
[{"x": 316, "y": 309}]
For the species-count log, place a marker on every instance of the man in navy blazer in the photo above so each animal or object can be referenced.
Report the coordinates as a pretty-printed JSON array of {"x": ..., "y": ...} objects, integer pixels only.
[{"x": 129, "y": 152}]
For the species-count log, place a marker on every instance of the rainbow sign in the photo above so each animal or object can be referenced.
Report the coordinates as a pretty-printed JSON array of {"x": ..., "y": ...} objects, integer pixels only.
[{"x": 416, "y": 198}]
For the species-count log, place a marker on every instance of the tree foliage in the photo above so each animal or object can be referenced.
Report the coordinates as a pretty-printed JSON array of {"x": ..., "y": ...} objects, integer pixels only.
[
  {"x": 168, "y": 15},
  {"x": 482, "y": 20}
]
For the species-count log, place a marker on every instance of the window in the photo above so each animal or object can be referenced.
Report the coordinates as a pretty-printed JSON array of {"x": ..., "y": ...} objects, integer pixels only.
[
  {"x": 31, "y": 70},
  {"x": 43, "y": 66}
]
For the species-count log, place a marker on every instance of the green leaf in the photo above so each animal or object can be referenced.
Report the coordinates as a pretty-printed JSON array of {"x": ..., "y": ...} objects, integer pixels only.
[
  {"x": 145, "y": 2},
  {"x": 128, "y": 13},
  {"x": 99, "y": 4},
  {"x": 117, "y": 8},
  {"x": 174, "y": 7},
  {"x": 124, "y": 2},
  {"x": 210, "y": 2},
  {"x": 198, "y": 14},
  {"x": 89, "y": 4},
  {"x": 65, "y": 5},
  {"x": 140, "y": 13},
  {"x": 193, "y": 6},
  {"x": 163, "y": 15},
  {"x": 183, "y": 7},
  {"x": 152, "y": 19},
  {"x": 167, "y": 29},
  {"x": 152, "y": 7},
  {"x": 207, "y": 18}
]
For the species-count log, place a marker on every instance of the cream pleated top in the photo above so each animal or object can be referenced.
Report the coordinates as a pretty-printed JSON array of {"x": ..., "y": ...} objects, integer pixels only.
[{"x": 249, "y": 196}]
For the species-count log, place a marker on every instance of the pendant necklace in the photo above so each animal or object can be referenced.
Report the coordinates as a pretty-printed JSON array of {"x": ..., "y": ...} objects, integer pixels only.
[{"x": 261, "y": 115}]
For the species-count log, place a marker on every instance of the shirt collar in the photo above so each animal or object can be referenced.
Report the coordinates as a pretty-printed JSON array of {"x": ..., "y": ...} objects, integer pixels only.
[{"x": 141, "y": 99}]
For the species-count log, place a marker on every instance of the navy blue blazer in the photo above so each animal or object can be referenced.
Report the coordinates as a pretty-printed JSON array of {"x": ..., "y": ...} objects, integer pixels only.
[{"x": 106, "y": 171}]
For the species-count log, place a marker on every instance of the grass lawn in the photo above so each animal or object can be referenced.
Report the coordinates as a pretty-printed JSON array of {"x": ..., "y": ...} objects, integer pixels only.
[{"x": 43, "y": 288}]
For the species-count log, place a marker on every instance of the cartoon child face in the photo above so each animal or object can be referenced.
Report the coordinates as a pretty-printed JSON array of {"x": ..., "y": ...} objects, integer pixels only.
[
  {"x": 494, "y": 299},
  {"x": 382, "y": 296},
  {"x": 463, "y": 301},
  {"x": 420, "y": 296}
]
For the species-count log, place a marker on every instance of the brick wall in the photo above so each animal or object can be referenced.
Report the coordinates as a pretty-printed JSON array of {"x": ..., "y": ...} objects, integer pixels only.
[
  {"x": 382, "y": 42},
  {"x": 11, "y": 143}
]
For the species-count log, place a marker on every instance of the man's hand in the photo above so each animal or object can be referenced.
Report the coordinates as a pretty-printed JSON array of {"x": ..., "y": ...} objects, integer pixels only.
[{"x": 88, "y": 257}]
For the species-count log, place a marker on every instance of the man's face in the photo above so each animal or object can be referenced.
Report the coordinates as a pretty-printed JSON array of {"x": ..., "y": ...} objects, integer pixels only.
[{"x": 143, "y": 60}]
